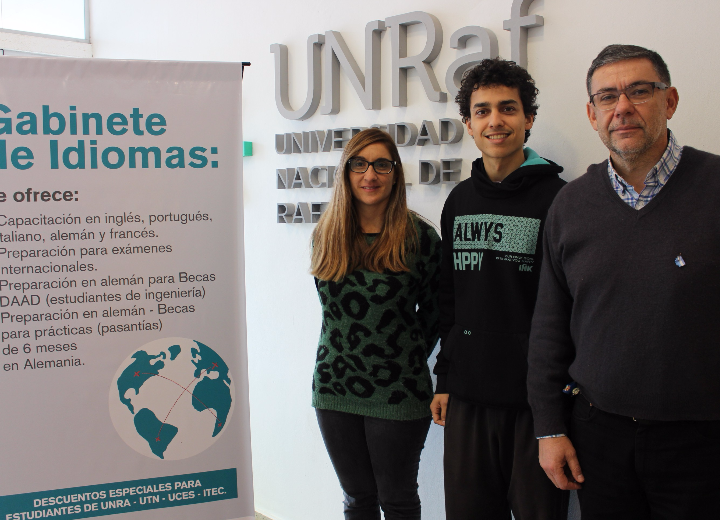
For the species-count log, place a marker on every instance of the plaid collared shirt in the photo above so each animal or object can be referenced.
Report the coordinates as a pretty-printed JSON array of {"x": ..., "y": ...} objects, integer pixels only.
[{"x": 655, "y": 180}]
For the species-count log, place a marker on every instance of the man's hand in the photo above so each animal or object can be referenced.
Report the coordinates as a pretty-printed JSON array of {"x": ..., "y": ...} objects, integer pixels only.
[
  {"x": 558, "y": 459},
  {"x": 438, "y": 407}
]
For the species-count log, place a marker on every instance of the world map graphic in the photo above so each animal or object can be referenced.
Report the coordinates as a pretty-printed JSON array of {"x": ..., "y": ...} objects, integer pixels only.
[{"x": 172, "y": 398}]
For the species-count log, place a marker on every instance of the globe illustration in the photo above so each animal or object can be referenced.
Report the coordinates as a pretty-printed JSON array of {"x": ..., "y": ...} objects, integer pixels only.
[{"x": 172, "y": 398}]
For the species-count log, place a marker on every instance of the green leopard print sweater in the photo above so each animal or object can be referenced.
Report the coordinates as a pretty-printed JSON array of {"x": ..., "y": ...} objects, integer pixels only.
[{"x": 378, "y": 330}]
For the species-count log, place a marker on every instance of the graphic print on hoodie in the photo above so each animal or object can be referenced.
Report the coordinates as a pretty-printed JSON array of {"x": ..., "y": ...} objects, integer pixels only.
[{"x": 500, "y": 233}]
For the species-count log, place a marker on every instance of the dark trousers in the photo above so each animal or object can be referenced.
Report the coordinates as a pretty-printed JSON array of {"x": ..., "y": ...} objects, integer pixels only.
[
  {"x": 642, "y": 470},
  {"x": 491, "y": 466},
  {"x": 376, "y": 461}
]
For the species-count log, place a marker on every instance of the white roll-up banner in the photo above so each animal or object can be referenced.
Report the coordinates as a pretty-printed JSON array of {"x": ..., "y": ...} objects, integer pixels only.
[{"x": 123, "y": 368}]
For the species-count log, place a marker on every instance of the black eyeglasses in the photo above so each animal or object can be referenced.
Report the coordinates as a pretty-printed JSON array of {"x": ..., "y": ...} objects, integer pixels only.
[
  {"x": 637, "y": 94},
  {"x": 381, "y": 166}
]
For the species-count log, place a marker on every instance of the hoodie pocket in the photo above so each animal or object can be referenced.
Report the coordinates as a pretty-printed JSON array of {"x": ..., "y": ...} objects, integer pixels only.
[{"x": 488, "y": 367}]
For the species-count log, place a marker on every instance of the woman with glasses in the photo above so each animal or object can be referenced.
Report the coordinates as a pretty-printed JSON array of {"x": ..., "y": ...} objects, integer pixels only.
[{"x": 376, "y": 267}]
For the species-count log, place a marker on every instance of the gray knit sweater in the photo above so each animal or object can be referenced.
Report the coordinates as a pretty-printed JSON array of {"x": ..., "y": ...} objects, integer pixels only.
[{"x": 629, "y": 300}]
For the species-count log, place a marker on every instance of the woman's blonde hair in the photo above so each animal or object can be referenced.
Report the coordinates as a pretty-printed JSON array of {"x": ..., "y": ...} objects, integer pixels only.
[{"x": 339, "y": 245}]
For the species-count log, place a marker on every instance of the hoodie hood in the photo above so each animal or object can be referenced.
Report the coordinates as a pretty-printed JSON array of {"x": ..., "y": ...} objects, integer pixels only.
[{"x": 533, "y": 170}]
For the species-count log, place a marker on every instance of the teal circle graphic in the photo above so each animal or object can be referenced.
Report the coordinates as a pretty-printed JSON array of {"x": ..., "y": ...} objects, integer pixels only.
[{"x": 172, "y": 398}]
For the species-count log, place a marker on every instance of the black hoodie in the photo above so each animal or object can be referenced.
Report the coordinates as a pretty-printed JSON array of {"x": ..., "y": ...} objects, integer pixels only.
[{"x": 492, "y": 250}]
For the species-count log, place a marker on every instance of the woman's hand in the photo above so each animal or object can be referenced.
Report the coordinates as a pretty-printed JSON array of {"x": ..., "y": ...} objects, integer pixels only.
[{"x": 438, "y": 407}]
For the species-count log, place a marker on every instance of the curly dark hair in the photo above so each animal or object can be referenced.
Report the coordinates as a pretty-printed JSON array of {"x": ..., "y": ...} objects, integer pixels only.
[{"x": 498, "y": 72}]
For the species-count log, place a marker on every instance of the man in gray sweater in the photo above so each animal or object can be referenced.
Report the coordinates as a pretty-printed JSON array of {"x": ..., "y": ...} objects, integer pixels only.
[{"x": 628, "y": 311}]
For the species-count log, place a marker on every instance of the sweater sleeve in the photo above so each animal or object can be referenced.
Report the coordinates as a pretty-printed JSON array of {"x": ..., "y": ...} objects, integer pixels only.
[
  {"x": 428, "y": 312},
  {"x": 447, "y": 300},
  {"x": 551, "y": 350}
]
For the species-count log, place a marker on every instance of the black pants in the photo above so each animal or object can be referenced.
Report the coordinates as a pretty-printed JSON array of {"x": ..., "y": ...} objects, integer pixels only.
[
  {"x": 491, "y": 467},
  {"x": 641, "y": 470},
  {"x": 376, "y": 460}
]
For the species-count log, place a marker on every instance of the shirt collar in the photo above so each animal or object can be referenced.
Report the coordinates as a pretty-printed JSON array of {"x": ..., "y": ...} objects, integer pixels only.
[{"x": 658, "y": 174}]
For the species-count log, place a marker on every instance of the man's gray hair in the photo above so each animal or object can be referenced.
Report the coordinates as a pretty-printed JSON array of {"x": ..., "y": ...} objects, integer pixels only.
[{"x": 614, "y": 53}]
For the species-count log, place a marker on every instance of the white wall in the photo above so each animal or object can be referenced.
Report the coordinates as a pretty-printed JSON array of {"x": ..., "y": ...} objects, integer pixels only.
[{"x": 293, "y": 476}]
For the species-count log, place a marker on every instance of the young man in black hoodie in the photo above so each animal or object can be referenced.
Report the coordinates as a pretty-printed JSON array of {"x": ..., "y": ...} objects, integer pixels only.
[{"x": 492, "y": 226}]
